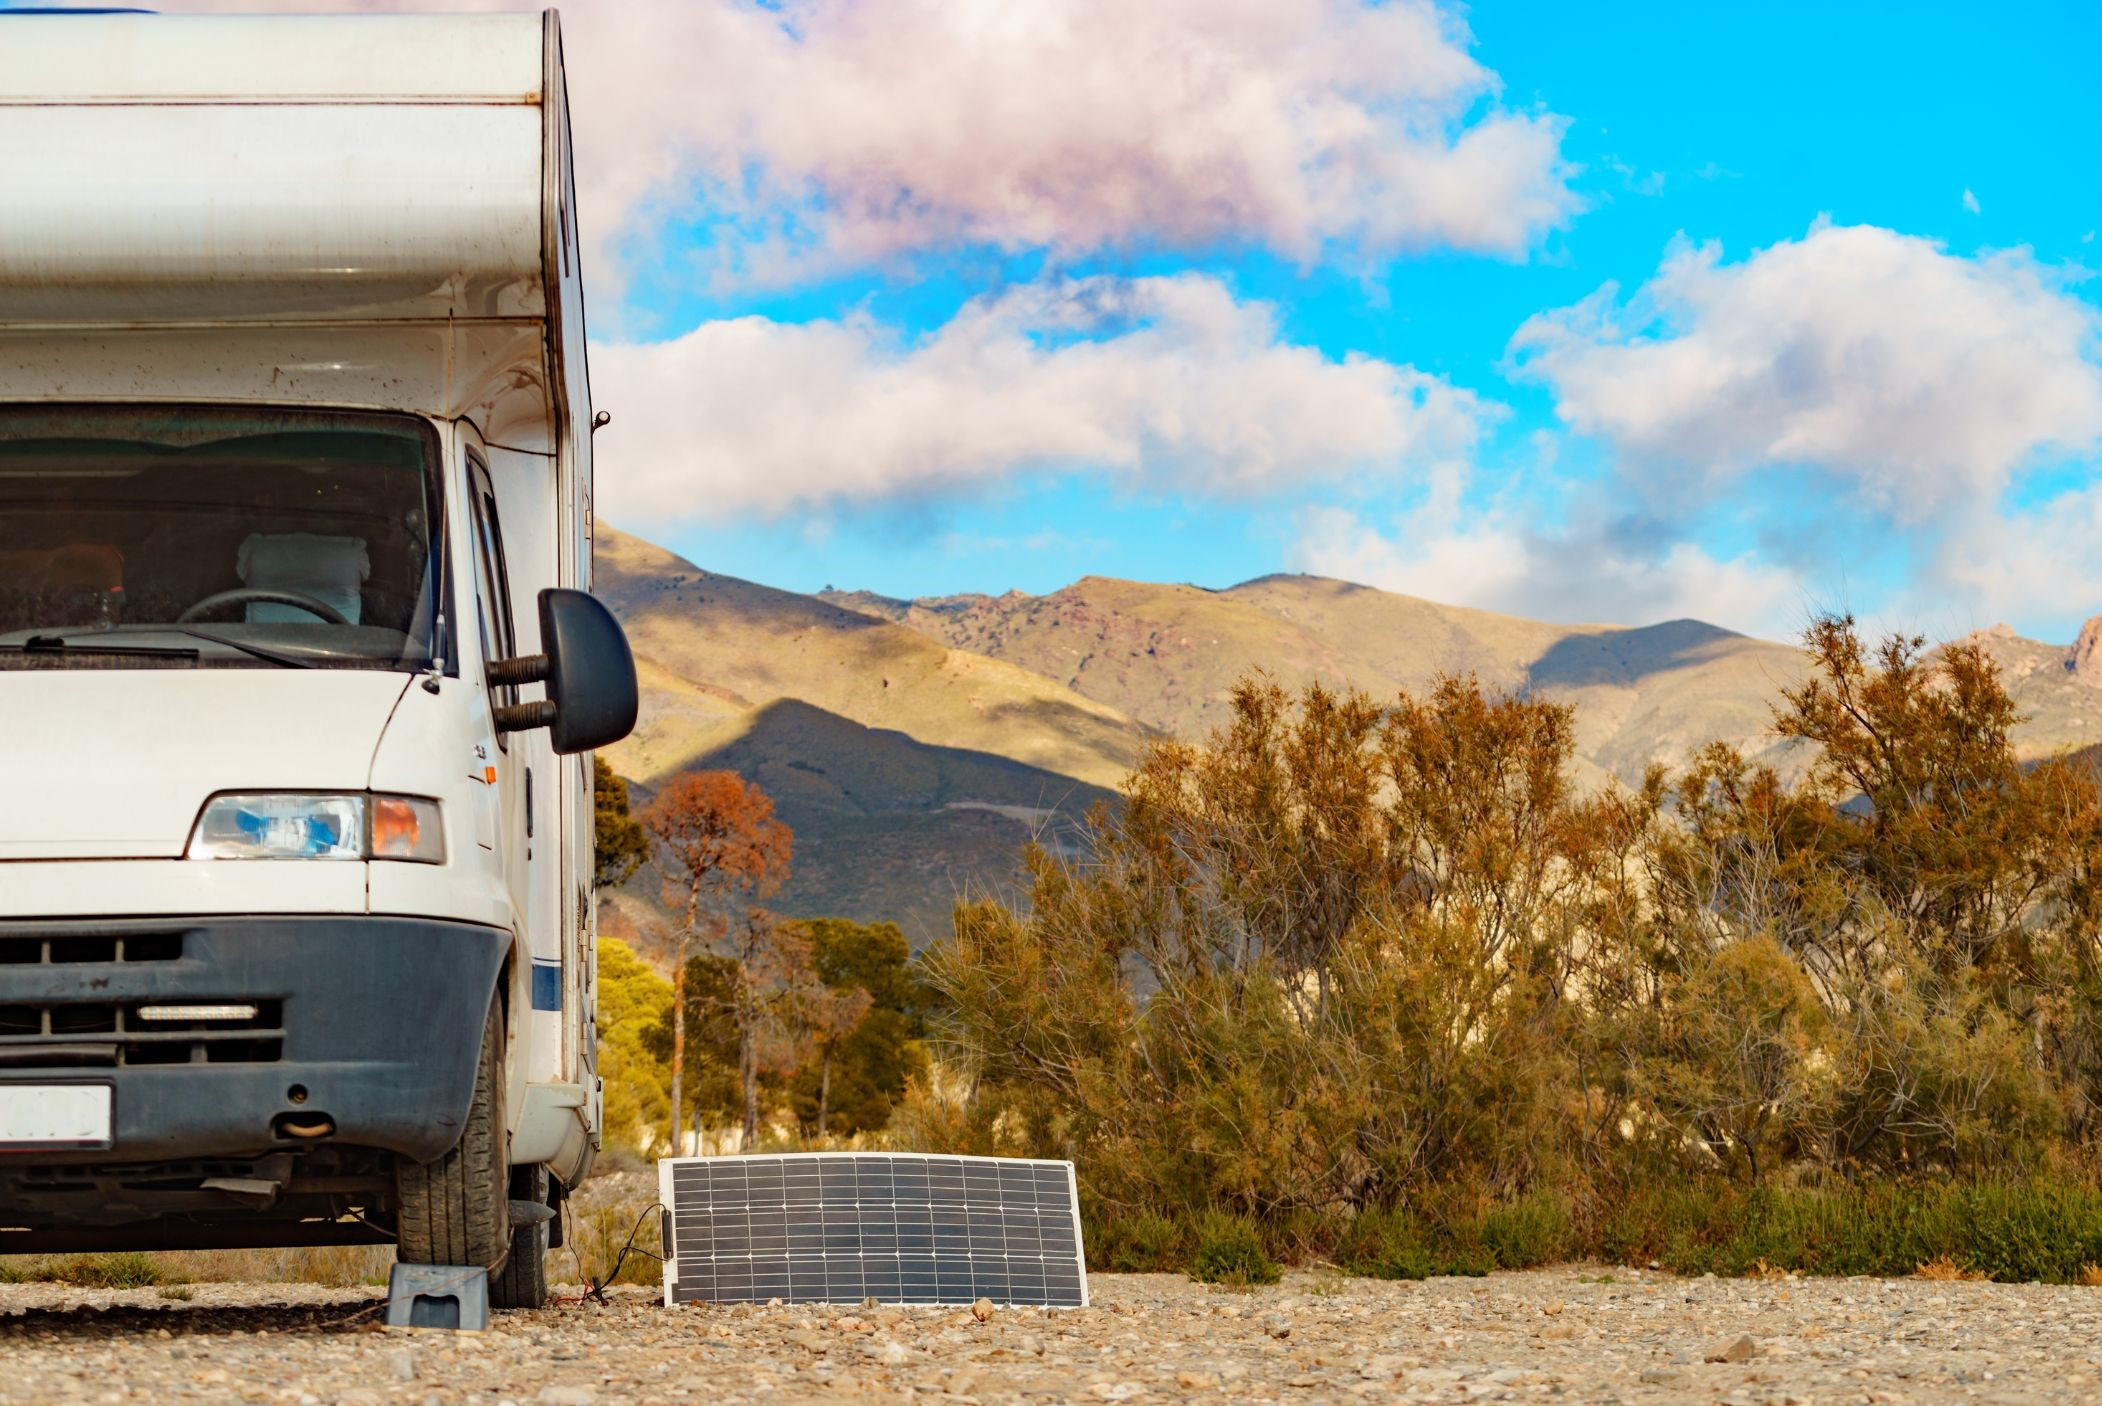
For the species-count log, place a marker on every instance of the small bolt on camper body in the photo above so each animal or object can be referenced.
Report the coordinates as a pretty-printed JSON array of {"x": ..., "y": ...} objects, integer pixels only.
[{"x": 299, "y": 672}]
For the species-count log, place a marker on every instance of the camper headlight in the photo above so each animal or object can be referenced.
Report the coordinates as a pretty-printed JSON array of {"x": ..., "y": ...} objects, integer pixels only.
[{"x": 292, "y": 825}]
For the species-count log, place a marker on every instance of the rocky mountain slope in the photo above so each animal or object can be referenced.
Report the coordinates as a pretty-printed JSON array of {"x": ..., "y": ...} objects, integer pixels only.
[
  {"x": 1168, "y": 655},
  {"x": 715, "y": 648},
  {"x": 2059, "y": 688},
  {"x": 911, "y": 772},
  {"x": 913, "y": 745}
]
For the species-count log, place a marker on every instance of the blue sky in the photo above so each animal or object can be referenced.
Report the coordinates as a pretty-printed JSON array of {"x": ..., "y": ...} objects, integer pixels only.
[
  {"x": 1613, "y": 312},
  {"x": 1736, "y": 124},
  {"x": 1743, "y": 126}
]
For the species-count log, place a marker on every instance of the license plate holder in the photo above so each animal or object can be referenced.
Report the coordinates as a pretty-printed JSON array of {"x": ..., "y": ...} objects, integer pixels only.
[{"x": 56, "y": 1117}]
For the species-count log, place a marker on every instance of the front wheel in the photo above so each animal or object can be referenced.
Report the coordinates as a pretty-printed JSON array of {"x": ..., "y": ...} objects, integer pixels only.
[{"x": 456, "y": 1210}]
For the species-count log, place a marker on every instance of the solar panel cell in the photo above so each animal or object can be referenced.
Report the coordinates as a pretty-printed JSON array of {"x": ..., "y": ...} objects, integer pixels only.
[{"x": 903, "y": 1228}]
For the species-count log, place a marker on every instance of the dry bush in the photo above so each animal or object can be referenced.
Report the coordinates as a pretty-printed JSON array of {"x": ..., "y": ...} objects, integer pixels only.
[
  {"x": 1345, "y": 957},
  {"x": 1943, "y": 1268},
  {"x": 606, "y": 1214},
  {"x": 336, "y": 1266},
  {"x": 1936, "y": 897},
  {"x": 1312, "y": 964},
  {"x": 1738, "y": 1060},
  {"x": 1935, "y": 1071}
]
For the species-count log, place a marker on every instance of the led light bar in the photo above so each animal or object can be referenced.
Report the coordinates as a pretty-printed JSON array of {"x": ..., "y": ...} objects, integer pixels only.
[{"x": 230, "y": 1011}]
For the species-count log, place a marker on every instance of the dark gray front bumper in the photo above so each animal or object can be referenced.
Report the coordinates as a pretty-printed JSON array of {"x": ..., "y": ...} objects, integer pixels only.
[{"x": 376, "y": 1021}]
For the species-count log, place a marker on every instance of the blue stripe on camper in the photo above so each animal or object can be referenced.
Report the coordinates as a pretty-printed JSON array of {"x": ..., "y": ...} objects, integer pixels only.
[{"x": 547, "y": 986}]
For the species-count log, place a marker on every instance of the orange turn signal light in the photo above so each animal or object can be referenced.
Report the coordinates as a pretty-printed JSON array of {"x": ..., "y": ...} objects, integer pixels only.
[{"x": 404, "y": 827}]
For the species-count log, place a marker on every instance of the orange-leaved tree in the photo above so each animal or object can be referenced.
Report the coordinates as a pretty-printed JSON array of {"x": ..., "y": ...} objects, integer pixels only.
[{"x": 719, "y": 842}]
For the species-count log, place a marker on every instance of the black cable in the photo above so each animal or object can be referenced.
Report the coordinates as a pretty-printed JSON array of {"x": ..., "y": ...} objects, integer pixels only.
[
  {"x": 569, "y": 1239},
  {"x": 597, "y": 1291}
]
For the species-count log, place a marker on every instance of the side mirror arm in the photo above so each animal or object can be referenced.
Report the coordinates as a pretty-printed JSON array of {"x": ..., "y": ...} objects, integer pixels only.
[
  {"x": 524, "y": 669},
  {"x": 513, "y": 673},
  {"x": 589, "y": 672},
  {"x": 524, "y": 717}
]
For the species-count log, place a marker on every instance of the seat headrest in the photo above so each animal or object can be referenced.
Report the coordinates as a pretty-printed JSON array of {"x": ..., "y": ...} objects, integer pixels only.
[{"x": 330, "y": 569}]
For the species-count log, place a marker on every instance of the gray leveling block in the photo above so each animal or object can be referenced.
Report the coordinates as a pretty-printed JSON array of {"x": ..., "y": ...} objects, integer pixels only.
[{"x": 448, "y": 1296}]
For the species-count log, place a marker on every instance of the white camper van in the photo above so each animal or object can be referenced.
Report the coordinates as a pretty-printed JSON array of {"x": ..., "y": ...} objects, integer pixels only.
[{"x": 298, "y": 672}]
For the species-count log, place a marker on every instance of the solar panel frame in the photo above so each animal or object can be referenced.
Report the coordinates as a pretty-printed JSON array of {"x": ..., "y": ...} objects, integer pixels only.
[{"x": 905, "y": 1228}]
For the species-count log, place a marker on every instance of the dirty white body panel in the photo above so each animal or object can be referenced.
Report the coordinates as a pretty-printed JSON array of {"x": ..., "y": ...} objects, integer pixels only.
[
  {"x": 202, "y": 169},
  {"x": 359, "y": 212},
  {"x": 160, "y": 747}
]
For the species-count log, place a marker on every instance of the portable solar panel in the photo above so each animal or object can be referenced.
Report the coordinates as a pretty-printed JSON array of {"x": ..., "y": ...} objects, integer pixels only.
[{"x": 899, "y": 1227}]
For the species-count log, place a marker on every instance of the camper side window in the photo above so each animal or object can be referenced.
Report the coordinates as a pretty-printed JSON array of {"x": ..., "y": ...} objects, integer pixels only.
[{"x": 492, "y": 580}]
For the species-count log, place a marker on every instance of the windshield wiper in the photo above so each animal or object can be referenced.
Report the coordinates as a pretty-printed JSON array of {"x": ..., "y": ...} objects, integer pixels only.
[
  {"x": 289, "y": 661},
  {"x": 58, "y": 644}
]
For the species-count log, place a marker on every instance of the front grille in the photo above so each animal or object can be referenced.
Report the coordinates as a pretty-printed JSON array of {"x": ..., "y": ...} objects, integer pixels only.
[
  {"x": 103, "y": 1033},
  {"x": 71, "y": 950}
]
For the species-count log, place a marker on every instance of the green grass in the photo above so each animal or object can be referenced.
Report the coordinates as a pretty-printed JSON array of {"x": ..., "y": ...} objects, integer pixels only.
[
  {"x": 1230, "y": 1252},
  {"x": 1143, "y": 1244},
  {"x": 128, "y": 1269},
  {"x": 2014, "y": 1230},
  {"x": 1537, "y": 1228}
]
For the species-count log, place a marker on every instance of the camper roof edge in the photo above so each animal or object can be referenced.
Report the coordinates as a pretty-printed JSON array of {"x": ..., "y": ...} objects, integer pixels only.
[
  {"x": 365, "y": 58},
  {"x": 145, "y": 187},
  {"x": 386, "y": 220}
]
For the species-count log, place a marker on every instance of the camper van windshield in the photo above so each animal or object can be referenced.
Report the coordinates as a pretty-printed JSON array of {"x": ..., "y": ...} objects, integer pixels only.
[{"x": 136, "y": 537}]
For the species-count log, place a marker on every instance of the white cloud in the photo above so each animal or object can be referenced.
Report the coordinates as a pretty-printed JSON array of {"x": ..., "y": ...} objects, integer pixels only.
[
  {"x": 1159, "y": 382},
  {"x": 1923, "y": 379},
  {"x": 839, "y": 132},
  {"x": 1571, "y": 575},
  {"x": 873, "y": 127},
  {"x": 1970, "y": 201},
  {"x": 2038, "y": 563}
]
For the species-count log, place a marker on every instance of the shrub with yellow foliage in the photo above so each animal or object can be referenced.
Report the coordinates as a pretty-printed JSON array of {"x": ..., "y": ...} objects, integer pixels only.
[{"x": 1351, "y": 957}]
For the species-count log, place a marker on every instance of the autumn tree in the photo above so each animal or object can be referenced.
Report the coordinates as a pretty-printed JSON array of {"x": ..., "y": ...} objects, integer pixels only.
[
  {"x": 719, "y": 845},
  {"x": 620, "y": 842}
]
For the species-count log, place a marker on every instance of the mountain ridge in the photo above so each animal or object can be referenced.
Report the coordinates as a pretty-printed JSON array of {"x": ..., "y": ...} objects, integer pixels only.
[
  {"x": 1644, "y": 693},
  {"x": 915, "y": 745}
]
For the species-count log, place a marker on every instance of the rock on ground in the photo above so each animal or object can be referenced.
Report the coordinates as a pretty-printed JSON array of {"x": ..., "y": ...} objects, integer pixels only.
[{"x": 1557, "y": 1335}]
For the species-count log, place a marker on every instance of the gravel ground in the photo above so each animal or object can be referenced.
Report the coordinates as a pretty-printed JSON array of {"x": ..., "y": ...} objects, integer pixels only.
[{"x": 1562, "y": 1334}]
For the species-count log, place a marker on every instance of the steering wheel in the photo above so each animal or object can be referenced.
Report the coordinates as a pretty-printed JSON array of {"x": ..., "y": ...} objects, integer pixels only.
[{"x": 249, "y": 594}]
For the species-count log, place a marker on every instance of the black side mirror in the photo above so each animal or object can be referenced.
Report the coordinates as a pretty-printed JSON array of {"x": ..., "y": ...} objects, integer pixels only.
[{"x": 592, "y": 697}]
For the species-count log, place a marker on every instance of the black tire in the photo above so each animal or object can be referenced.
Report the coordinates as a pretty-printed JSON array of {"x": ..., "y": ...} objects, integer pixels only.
[
  {"x": 456, "y": 1210},
  {"x": 522, "y": 1283}
]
